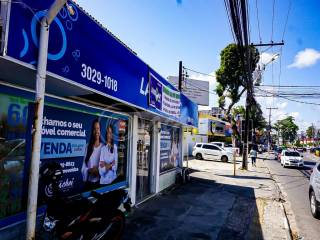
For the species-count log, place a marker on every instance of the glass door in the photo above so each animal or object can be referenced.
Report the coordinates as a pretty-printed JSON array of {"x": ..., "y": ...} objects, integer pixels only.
[{"x": 144, "y": 153}]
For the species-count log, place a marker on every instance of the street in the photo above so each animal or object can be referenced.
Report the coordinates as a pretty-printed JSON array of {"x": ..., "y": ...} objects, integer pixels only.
[{"x": 294, "y": 185}]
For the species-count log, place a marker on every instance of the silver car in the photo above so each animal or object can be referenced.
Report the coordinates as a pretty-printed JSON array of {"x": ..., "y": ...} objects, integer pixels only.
[{"x": 314, "y": 191}]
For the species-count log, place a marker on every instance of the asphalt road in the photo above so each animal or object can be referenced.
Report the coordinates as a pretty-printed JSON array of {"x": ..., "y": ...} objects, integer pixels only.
[{"x": 295, "y": 184}]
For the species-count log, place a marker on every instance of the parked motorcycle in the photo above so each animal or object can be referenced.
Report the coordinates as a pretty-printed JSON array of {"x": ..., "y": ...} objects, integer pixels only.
[{"x": 95, "y": 217}]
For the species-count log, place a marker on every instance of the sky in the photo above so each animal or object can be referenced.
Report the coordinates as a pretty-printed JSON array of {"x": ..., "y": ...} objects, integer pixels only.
[{"x": 163, "y": 32}]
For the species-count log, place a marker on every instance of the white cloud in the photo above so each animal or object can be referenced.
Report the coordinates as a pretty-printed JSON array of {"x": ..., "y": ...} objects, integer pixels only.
[
  {"x": 295, "y": 114},
  {"x": 305, "y": 58},
  {"x": 282, "y": 105}
]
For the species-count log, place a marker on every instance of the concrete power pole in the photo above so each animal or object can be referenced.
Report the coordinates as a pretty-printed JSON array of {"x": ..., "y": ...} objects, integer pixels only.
[
  {"x": 269, "y": 126},
  {"x": 38, "y": 115}
]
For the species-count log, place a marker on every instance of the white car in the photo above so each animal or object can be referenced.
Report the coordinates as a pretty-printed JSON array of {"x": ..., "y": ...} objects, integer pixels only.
[
  {"x": 211, "y": 151},
  {"x": 314, "y": 191},
  {"x": 291, "y": 159},
  {"x": 227, "y": 146}
]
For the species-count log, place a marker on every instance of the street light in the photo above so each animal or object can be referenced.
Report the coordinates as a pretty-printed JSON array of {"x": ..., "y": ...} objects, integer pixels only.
[
  {"x": 257, "y": 74},
  {"x": 38, "y": 114}
]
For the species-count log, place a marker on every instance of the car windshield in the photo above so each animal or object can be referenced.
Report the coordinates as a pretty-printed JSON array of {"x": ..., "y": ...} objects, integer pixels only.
[
  {"x": 217, "y": 143},
  {"x": 292, "y": 154}
]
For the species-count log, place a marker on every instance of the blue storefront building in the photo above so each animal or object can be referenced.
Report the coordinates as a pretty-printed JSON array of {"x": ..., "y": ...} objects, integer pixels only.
[{"x": 91, "y": 77}]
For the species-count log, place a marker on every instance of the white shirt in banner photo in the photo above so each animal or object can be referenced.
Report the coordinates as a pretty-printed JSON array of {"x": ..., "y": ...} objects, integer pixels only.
[
  {"x": 108, "y": 164},
  {"x": 93, "y": 162}
]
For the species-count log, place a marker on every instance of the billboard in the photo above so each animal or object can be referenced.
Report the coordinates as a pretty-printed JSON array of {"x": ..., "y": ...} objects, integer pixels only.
[
  {"x": 196, "y": 90},
  {"x": 170, "y": 149}
]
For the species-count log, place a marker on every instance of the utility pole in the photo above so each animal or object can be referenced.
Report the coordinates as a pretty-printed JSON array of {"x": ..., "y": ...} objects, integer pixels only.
[
  {"x": 269, "y": 126},
  {"x": 38, "y": 115},
  {"x": 180, "y": 76}
]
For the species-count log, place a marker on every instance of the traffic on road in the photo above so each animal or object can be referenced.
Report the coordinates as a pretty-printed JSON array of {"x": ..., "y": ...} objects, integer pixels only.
[{"x": 300, "y": 188}]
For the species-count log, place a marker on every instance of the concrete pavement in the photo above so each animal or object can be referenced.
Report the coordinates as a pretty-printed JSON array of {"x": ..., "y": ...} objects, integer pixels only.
[{"x": 214, "y": 205}]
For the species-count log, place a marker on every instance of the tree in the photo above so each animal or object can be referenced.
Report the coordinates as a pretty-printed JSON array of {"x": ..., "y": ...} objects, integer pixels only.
[
  {"x": 231, "y": 76},
  {"x": 318, "y": 135},
  {"x": 255, "y": 114},
  {"x": 311, "y": 131},
  {"x": 287, "y": 129}
]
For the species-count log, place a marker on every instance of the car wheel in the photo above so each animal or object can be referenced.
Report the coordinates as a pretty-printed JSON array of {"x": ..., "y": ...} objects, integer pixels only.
[
  {"x": 224, "y": 159},
  {"x": 199, "y": 156},
  {"x": 314, "y": 205}
]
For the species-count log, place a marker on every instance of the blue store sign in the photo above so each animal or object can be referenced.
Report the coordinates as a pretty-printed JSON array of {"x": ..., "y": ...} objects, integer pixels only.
[{"x": 81, "y": 51}]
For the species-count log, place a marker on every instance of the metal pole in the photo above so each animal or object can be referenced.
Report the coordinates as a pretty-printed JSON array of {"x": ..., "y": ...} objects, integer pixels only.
[
  {"x": 36, "y": 138},
  {"x": 38, "y": 117},
  {"x": 180, "y": 76}
]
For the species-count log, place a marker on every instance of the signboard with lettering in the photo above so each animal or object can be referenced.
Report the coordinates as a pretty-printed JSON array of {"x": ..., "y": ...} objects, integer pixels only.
[
  {"x": 164, "y": 98},
  {"x": 81, "y": 51},
  {"x": 76, "y": 140}
]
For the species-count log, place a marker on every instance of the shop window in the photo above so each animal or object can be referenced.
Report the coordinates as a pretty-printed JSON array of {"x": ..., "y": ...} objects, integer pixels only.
[{"x": 13, "y": 120}]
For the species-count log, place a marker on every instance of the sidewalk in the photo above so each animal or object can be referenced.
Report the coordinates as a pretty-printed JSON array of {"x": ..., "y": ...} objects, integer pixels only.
[{"x": 214, "y": 205}]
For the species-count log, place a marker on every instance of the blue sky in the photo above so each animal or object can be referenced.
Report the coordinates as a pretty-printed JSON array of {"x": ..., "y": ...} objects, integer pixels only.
[{"x": 162, "y": 32}]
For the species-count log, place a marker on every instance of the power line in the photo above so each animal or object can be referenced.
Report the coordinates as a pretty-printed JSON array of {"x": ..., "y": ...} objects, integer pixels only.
[
  {"x": 285, "y": 25},
  {"x": 260, "y": 39},
  {"x": 206, "y": 74},
  {"x": 233, "y": 36},
  {"x": 273, "y": 7},
  {"x": 289, "y": 99}
]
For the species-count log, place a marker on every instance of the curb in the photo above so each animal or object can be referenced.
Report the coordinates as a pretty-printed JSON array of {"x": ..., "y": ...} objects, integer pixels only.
[
  {"x": 286, "y": 222},
  {"x": 285, "y": 217}
]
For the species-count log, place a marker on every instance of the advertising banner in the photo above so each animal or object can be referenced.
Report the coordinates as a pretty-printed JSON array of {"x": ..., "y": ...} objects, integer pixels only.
[
  {"x": 91, "y": 149},
  {"x": 81, "y": 51},
  {"x": 170, "y": 150},
  {"x": 163, "y": 98}
]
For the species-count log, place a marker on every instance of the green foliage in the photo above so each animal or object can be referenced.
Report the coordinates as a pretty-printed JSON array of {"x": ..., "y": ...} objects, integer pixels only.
[
  {"x": 255, "y": 114},
  {"x": 231, "y": 75},
  {"x": 297, "y": 143},
  {"x": 287, "y": 129},
  {"x": 311, "y": 131}
]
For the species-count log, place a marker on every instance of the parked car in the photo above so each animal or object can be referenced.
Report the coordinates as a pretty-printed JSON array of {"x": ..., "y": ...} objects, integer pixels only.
[
  {"x": 277, "y": 153},
  {"x": 314, "y": 191},
  {"x": 211, "y": 151},
  {"x": 291, "y": 158},
  {"x": 227, "y": 146},
  {"x": 300, "y": 149}
]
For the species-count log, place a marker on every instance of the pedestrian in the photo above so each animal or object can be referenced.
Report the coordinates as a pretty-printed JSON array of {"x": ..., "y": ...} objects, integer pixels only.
[{"x": 253, "y": 155}]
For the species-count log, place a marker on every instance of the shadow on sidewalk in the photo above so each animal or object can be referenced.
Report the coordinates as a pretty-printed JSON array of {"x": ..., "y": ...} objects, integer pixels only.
[
  {"x": 229, "y": 162},
  {"x": 242, "y": 177},
  {"x": 201, "y": 209}
]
